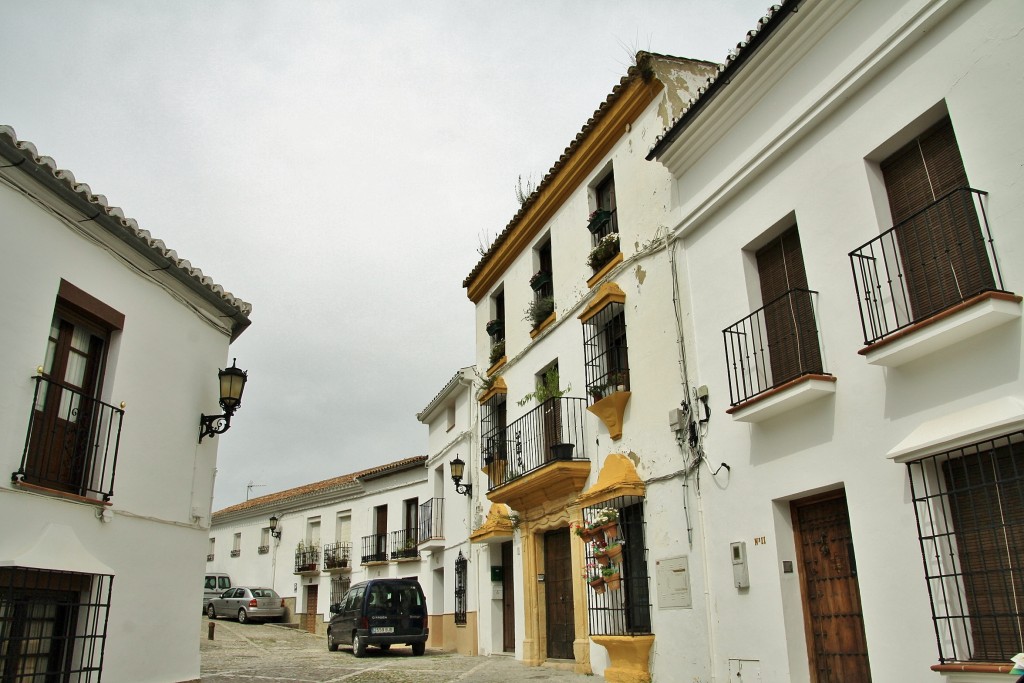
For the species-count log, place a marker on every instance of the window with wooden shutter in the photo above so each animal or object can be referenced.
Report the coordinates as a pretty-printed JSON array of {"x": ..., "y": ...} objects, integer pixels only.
[{"x": 942, "y": 252}]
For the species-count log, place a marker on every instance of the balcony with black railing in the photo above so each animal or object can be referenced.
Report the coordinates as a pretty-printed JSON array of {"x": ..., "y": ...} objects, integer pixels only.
[
  {"x": 375, "y": 549},
  {"x": 773, "y": 346},
  {"x": 935, "y": 260},
  {"x": 404, "y": 545},
  {"x": 236, "y": 553},
  {"x": 338, "y": 556},
  {"x": 72, "y": 442},
  {"x": 307, "y": 560},
  {"x": 431, "y": 522},
  {"x": 546, "y": 447}
]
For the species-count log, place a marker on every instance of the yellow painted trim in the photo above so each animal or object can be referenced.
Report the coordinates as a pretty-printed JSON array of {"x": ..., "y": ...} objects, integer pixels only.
[
  {"x": 618, "y": 477},
  {"x": 499, "y": 387},
  {"x": 555, "y": 481},
  {"x": 498, "y": 365},
  {"x": 629, "y": 656},
  {"x": 608, "y": 293},
  {"x": 540, "y": 328},
  {"x": 611, "y": 409},
  {"x": 616, "y": 260},
  {"x": 636, "y": 97},
  {"x": 497, "y": 526}
]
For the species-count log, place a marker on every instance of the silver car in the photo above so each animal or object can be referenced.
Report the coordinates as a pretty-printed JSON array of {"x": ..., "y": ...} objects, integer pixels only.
[{"x": 246, "y": 603}]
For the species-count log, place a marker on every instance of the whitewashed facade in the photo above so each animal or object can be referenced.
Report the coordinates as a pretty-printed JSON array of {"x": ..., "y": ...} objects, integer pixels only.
[
  {"x": 788, "y": 176},
  {"x": 128, "y": 340}
]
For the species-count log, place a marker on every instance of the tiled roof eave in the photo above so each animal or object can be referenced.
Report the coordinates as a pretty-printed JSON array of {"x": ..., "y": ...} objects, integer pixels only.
[{"x": 79, "y": 196}]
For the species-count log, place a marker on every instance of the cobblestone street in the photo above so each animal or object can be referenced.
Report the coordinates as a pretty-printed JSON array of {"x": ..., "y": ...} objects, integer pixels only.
[{"x": 267, "y": 652}]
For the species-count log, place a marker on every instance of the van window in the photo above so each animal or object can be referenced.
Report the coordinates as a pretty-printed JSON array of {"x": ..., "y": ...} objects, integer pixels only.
[
  {"x": 211, "y": 583},
  {"x": 224, "y": 582}
]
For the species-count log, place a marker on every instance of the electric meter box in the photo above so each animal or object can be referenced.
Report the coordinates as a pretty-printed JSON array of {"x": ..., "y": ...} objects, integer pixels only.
[{"x": 497, "y": 573}]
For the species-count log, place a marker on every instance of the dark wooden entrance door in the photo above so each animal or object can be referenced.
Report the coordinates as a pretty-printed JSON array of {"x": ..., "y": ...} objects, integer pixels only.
[
  {"x": 558, "y": 599},
  {"x": 837, "y": 648},
  {"x": 508, "y": 601},
  {"x": 309, "y": 620}
]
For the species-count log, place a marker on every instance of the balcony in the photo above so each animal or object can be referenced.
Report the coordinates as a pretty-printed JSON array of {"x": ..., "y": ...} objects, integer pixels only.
[
  {"x": 307, "y": 560},
  {"x": 375, "y": 549},
  {"x": 545, "y": 448},
  {"x": 431, "y": 531},
  {"x": 72, "y": 443},
  {"x": 928, "y": 282},
  {"x": 404, "y": 545},
  {"x": 338, "y": 556},
  {"x": 263, "y": 550},
  {"x": 236, "y": 553},
  {"x": 774, "y": 358}
]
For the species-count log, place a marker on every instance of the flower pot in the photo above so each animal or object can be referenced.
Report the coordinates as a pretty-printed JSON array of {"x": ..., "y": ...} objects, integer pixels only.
[
  {"x": 539, "y": 280},
  {"x": 598, "y": 220},
  {"x": 614, "y": 552},
  {"x": 614, "y": 581},
  {"x": 602, "y": 559},
  {"x": 611, "y": 531},
  {"x": 562, "y": 451},
  {"x": 597, "y": 584}
]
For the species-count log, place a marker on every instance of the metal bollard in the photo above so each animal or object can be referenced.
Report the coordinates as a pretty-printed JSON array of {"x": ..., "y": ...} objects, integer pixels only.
[{"x": 209, "y": 634}]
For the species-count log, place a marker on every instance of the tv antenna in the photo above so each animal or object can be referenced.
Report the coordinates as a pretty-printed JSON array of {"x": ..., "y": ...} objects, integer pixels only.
[{"x": 250, "y": 486}]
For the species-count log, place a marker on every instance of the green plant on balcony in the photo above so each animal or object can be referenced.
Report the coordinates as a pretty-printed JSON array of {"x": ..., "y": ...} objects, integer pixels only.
[
  {"x": 495, "y": 327},
  {"x": 497, "y": 351},
  {"x": 547, "y": 388},
  {"x": 605, "y": 250},
  {"x": 597, "y": 219},
  {"x": 539, "y": 310}
]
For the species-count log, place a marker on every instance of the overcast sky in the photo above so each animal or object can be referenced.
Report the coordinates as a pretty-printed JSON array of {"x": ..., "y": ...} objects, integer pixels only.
[{"x": 336, "y": 164}]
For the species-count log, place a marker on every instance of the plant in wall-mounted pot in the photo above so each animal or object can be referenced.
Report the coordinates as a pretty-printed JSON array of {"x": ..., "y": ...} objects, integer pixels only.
[
  {"x": 539, "y": 279},
  {"x": 539, "y": 310},
  {"x": 611, "y": 578},
  {"x": 619, "y": 379},
  {"x": 495, "y": 327},
  {"x": 497, "y": 351},
  {"x": 604, "y": 251},
  {"x": 597, "y": 220}
]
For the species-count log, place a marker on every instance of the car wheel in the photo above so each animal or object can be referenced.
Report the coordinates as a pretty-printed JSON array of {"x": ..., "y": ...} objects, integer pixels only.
[
  {"x": 332, "y": 644},
  {"x": 210, "y": 612},
  {"x": 385, "y": 646},
  {"x": 242, "y": 616},
  {"x": 358, "y": 646},
  {"x": 419, "y": 648}
]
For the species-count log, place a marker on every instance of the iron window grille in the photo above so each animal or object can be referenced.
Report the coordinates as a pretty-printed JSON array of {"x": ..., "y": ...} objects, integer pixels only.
[
  {"x": 72, "y": 441},
  {"x": 625, "y": 610},
  {"x": 493, "y": 417},
  {"x": 263, "y": 549},
  {"x": 53, "y": 625},
  {"x": 339, "y": 587},
  {"x": 431, "y": 519},
  {"x": 337, "y": 555},
  {"x": 461, "y": 564},
  {"x": 236, "y": 553},
  {"x": 606, "y": 353},
  {"x": 969, "y": 505}
]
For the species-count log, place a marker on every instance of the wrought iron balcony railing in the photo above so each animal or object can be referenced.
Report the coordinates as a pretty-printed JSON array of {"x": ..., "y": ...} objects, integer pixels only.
[
  {"x": 773, "y": 345},
  {"x": 307, "y": 560},
  {"x": 375, "y": 548},
  {"x": 337, "y": 555},
  {"x": 236, "y": 553},
  {"x": 431, "y": 520},
  {"x": 935, "y": 259},
  {"x": 263, "y": 549},
  {"x": 403, "y": 545},
  {"x": 553, "y": 431},
  {"x": 72, "y": 442}
]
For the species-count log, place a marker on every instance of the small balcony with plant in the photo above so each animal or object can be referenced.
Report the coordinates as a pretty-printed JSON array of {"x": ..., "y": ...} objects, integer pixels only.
[
  {"x": 606, "y": 357},
  {"x": 307, "y": 558},
  {"x": 540, "y": 313},
  {"x": 774, "y": 358},
  {"x": 604, "y": 256},
  {"x": 338, "y": 556},
  {"x": 404, "y": 545},
  {"x": 431, "y": 524},
  {"x": 930, "y": 281},
  {"x": 375, "y": 549}
]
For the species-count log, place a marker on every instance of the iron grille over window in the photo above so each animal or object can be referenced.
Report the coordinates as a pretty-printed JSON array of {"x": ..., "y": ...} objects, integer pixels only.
[
  {"x": 432, "y": 519},
  {"x": 339, "y": 587},
  {"x": 606, "y": 353},
  {"x": 53, "y": 625},
  {"x": 460, "y": 588},
  {"x": 620, "y": 602},
  {"x": 337, "y": 555},
  {"x": 969, "y": 504},
  {"x": 493, "y": 415}
]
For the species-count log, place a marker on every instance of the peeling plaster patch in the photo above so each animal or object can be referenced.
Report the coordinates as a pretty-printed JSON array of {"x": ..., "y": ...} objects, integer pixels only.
[
  {"x": 634, "y": 457},
  {"x": 641, "y": 274}
]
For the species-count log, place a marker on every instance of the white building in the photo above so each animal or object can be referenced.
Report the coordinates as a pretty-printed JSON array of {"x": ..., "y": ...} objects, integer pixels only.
[
  {"x": 108, "y": 476},
  {"x": 847, "y": 214}
]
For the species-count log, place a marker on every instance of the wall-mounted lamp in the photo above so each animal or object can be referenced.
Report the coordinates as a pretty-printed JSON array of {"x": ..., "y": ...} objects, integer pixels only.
[
  {"x": 273, "y": 527},
  {"x": 232, "y": 384},
  {"x": 458, "y": 468}
]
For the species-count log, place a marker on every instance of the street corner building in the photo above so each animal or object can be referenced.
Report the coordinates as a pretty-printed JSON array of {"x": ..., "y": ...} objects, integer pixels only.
[{"x": 108, "y": 477}]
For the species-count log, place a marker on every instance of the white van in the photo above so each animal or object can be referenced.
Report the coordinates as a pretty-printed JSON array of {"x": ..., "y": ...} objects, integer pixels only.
[{"x": 214, "y": 585}]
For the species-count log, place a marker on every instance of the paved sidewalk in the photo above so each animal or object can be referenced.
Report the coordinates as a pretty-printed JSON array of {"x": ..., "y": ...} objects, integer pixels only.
[{"x": 267, "y": 653}]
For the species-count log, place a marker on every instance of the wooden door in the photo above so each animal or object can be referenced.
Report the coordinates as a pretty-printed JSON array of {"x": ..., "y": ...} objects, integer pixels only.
[
  {"x": 309, "y": 619},
  {"x": 834, "y": 623},
  {"x": 508, "y": 602},
  {"x": 558, "y": 596}
]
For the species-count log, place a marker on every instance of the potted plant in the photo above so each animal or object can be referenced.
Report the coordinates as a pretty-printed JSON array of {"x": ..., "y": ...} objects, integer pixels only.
[
  {"x": 497, "y": 351},
  {"x": 613, "y": 548},
  {"x": 539, "y": 310},
  {"x": 495, "y": 327},
  {"x": 619, "y": 379},
  {"x": 611, "y": 577},
  {"x": 604, "y": 251},
  {"x": 607, "y": 520},
  {"x": 600, "y": 552},
  {"x": 547, "y": 388},
  {"x": 562, "y": 451},
  {"x": 593, "y": 575},
  {"x": 539, "y": 279},
  {"x": 597, "y": 391},
  {"x": 597, "y": 220}
]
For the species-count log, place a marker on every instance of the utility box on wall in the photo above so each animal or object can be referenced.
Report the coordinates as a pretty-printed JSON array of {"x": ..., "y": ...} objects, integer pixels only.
[{"x": 497, "y": 573}]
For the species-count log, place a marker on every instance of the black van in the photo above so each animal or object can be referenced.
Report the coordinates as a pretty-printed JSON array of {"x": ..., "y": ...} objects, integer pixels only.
[{"x": 380, "y": 612}]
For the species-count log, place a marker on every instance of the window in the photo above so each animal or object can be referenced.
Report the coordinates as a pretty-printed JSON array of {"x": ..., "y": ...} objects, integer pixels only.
[
  {"x": 264, "y": 541},
  {"x": 73, "y": 436},
  {"x": 209, "y": 555},
  {"x": 604, "y": 225},
  {"x": 543, "y": 303},
  {"x": 496, "y": 327},
  {"x": 52, "y": 625},
  {"x": 606, "y": 353},
  {"x": 493, "y": 418},
  {"x": 619, "y": 601},
  {"x": 236, "y": 545},
  {"x": 450, "y": 416},
  {"x": 461, "y": 572},
  {"x": 969, "y": 504}
]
